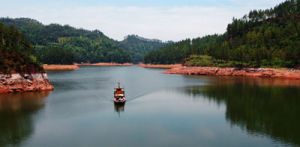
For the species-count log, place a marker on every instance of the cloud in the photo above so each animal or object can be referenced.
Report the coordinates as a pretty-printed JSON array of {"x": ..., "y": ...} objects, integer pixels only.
[{"x": 166, "y": 23}]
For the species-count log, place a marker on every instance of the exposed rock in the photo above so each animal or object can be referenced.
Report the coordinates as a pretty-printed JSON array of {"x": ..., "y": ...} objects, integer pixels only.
[
  {"x": 247, "y": 72},
  {"x": 28, "y": 82}
]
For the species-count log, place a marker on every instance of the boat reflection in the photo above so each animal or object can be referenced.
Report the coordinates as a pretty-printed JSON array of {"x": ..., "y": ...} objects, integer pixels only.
[
  {"x": 16, "y": 112},
  {"x": 258, "y": 107},
  {"x": 119, "y": 107}
]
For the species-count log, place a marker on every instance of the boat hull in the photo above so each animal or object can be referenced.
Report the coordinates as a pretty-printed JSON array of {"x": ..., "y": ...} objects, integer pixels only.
[{"x": 123, "y": 100}]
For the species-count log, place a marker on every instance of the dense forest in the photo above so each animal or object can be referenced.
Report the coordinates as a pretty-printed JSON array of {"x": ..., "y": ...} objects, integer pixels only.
[
  {"x": 16, "y": 53},
  {"x": 262, "y": 38},
  {"x": 57, "y": 44}
]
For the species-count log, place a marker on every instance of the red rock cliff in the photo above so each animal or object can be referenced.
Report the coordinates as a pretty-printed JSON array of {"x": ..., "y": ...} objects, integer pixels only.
[
  {"x": 246, "y": 72},
  {"x": 28, "y": 82}
]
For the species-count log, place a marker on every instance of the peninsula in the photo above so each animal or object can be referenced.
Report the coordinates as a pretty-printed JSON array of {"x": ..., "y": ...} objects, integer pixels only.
[{"x": 19, "y": 70}]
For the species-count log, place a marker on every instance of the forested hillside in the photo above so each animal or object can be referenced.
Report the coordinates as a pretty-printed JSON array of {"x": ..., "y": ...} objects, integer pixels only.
[
  {"x": 138, "y": 46},
  {"x": 16, "y": 52},
  {"x": 262, "y": 38},
  {"x": 57, "y": 44}
]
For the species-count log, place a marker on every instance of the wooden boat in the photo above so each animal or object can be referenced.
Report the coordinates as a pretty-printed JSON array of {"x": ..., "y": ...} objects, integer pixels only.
[{"x": 119, "y": 95}]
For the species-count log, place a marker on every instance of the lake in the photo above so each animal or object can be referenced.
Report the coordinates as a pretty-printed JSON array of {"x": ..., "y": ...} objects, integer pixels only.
[{"x": 161, "y": 110}]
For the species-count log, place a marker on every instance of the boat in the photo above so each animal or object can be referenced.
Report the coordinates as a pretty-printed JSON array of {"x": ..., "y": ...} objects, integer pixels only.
[{"x": 119, "y": 95}]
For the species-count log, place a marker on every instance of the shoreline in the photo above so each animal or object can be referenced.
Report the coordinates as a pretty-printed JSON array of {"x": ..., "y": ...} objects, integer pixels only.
[
  {"x": 103, "y": 64},
  {"x": 237, "y": 72},
  {"x": 162, "y": 66},
  {"x": 60, "y": 67}
]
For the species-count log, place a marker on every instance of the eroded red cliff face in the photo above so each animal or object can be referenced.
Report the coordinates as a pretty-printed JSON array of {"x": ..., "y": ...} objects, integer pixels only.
[
  {"x": 28, "y": 82},
  {"x": 247, "y": 72}
]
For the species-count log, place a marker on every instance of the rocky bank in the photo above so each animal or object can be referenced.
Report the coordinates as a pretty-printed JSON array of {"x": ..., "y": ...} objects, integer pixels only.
[
  {"x": 245, "y": 72},
  {"x": 23, "y": 83}
]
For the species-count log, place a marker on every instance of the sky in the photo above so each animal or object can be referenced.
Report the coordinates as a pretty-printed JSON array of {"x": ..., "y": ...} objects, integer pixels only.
[{"x": 155, "y": 19}]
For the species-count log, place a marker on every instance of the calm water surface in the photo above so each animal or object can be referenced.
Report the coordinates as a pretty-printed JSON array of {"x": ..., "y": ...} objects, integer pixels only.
[{"x": 162, "y": 110}]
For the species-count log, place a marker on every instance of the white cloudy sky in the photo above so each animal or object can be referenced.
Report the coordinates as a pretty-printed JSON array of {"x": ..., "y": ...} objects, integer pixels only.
[{"x": 162, "y": 19}]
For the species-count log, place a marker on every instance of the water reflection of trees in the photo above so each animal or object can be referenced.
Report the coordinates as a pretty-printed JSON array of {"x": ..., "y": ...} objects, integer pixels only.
[
  {"x": 16, "y": 112},
  {"x": 257, "y": 108}
]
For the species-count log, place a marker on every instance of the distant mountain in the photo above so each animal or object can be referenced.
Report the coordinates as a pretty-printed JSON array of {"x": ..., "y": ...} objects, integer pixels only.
[{"x": 139, "y": 46}]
